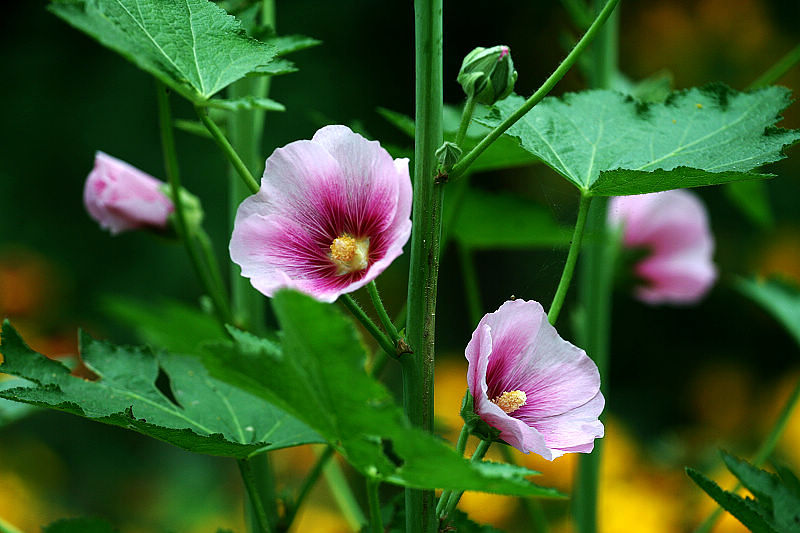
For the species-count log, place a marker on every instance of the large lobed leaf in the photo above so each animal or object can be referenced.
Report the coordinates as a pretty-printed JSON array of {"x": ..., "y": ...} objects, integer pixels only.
[
  {"x": 193, "y": 46},
  {"x": 203, "y": 415},
  {"x": 317, "y": 374},
  {"x": 779, "y": 298},
  {"x": 609, "y": 144}
]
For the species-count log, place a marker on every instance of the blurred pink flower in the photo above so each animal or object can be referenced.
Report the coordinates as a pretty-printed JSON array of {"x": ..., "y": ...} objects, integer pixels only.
[
  {"x": 121, "y": 197},
  {"x": 540, "y": 391},
  {"x": 331, "y": 215},
  {"x": 673, "y": 225}
]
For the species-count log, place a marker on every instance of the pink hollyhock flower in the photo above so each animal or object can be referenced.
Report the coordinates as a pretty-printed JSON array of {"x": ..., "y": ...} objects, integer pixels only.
[
  {"x": 673, "y": 225},
  {"x": 540, "y": 391},
  {"x": 331, "y": 215},
  {"x": 121, "y": 197}
]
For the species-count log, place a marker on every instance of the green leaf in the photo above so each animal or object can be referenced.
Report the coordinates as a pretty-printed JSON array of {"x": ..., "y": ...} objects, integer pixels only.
[
  {"x": 168, "y": 324},
  {"x": 317, "y": 374},
  {"x": 742, "y": 509},
  {"x": 607, "y": 144},
  {"x": 773, "y": 495},
  {"x": 193, "y": 46},
  {"x": 189, "y": 409},
  {"x": 751, "y": 198},
  {"x": 79, "y": 525},
  {"x": 780, "y": 298},
  {"x": 504, "y": 221},
  {"x": 12, "y": 411},
  {"x": 245, "y": 103}
]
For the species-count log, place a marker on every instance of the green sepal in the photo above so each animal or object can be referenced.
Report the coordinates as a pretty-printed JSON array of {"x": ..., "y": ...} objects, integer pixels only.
[{"x": 475, "y": 424}]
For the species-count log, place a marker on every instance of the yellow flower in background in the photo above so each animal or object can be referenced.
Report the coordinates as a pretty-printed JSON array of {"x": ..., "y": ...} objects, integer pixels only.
[{"x": 319, "y": 519}]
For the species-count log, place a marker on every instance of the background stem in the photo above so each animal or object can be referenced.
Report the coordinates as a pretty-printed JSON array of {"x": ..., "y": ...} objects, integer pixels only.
[
  {"x": 375, "y": 519},
  {"x": 425, "y": 240},
  {"x": 262, "y": 522},
  {"x": 572, "y": 259}
]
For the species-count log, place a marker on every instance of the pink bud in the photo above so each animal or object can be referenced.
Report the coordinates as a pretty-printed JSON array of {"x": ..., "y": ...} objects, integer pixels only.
[{"x": 121, "y": 197}]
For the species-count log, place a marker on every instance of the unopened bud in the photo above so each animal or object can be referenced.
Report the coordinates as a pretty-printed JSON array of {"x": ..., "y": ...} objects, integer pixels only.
[
  {"x": 448, "y": 155},
  {"x": 487, "y": 74}
]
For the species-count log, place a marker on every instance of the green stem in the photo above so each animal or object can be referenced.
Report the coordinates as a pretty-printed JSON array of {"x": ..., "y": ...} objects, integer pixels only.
[
  {"x": 341, "y": 492},
  {"x": 308, "y": 484},
  {"x": 776, "y": 71},
  {"x": 211, "y": 261},
  {"x": 455, "y": 497},
  {"x": 763, "y": 453},
  {"x": 204, "y": 271},
  {"x": 466, "y": 116},
  {"x": 425, "y": 242},
  {"x": 572, "y": 259},
  {"x": 246, "y": 469},
  {"x": 388, "y": 325},
  {"x": 373, "y": 329},
  {"x": 380, "y": 357},
  {"x": 471, "y": 286},
  {"x": 227, "y": 149},
  {"x": 461, "y": 445},
  {"x": 375, "y": 519},
  {"x": 546, "y": 87},
  {"x": 532, "y": 505}
]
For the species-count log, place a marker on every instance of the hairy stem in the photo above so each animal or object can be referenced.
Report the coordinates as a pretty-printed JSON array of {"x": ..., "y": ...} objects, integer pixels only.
[
  {"x": 387, "y": 323},
  {"x": 425, "y": 241},
  {"x": 537, "y": 97},
  {"x": 373, "y": 329},
  {"x": 572, "y": 259}
]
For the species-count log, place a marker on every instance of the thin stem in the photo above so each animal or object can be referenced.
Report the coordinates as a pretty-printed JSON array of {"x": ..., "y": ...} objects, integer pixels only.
[
  {"x": 227, "y": 149},
  {"x": 372, "y": 288},
  {"x": 572, "y": 259},
  {"x": 763, "y": 453},
  {"x": 341, "y": 492},
  {"x": 546, "y": 87},
  {"x": 203, "y": 271},
  {"x": 461, "y": 445},
  {"x": 471, "y": 286},
  {"x": 211, "y": 260},
  {"x": 466, "y": 116},
  {"x": 373, "y": 329},
  {"x": 308, "y": 484},
  {"x": 532, "y": 506},
  {"x": 776, "y": 71},
  {"x": 246, "y": 469},
  {"x": 425, "y": 243},
  {"x": 375, "y": 519},
  {"x": 380, "y": 357},
  {"x": 455, "y": 497}
]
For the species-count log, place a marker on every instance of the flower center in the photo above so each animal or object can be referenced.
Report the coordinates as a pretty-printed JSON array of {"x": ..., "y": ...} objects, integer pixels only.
[
  {"x": 349, "y": 254},
  {"x": 510, "y": 401}
]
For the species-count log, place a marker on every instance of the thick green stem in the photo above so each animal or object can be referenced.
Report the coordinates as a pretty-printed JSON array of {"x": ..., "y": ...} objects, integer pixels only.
[
  {"x": 375, "y": 519},
  {"x": 249, "y": 479},
  {"x": 373, "y": 329},
  {"x": 425, "y": 241},
  {"x": 227, "y": 149},
  {"x": 455, "y": 497},
  {"x": 203, "y": 270},
  {"x": 308, "y": 484},
  {"x": 776, "y": 71},
  {"x": 763, "y": 453},
  {"x": 572, "y": 259},
  {"x": 537, "y": 97}
]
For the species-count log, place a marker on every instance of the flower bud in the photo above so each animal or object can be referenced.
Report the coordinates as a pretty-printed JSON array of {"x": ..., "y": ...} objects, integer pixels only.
[
  {"x": 121, "y": 197},
  {"x": 487, "y": 74},
  {"x": 448, "y": 155}
]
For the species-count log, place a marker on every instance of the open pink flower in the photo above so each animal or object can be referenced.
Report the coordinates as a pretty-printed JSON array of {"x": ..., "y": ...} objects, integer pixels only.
[
  {"x": 331, "y": 215},
  {"x": 673, "y": 225},
  {"x": 121, "y": 197},
  {"x": 540, "y": 391}
]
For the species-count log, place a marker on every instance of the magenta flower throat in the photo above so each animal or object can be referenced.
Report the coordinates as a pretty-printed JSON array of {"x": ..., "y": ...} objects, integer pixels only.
[{"x": 331, "y": 215}]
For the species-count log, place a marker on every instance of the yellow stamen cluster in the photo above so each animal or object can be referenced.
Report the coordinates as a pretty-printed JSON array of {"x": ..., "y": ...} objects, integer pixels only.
[
  {"x": 349, "y": 254},
  {"x": 510, "y": 401}
]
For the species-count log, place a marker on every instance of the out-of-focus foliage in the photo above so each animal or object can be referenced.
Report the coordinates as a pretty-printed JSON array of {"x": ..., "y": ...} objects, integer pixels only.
[{"x": 780, "y": 298}]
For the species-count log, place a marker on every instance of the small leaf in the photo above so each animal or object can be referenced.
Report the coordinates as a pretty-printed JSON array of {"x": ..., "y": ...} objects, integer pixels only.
[
  {"x": 606, "y": 143},
  {"x": 780, "y": 298},
  {"x": 317, "y": 374},
  {"x": 734, "y": 504},
  {"x": 503, "y": 221},
  {"x": 189, "y": 409},
  {"x": 245, "y": 103},
  {"x": 79, "y": 525},
  {"x": 193, "y": 46}
]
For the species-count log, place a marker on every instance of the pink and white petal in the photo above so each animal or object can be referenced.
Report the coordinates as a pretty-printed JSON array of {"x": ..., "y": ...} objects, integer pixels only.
[
  {"x": 575, "y": 429},
  {"x": 677, "y": 279}
]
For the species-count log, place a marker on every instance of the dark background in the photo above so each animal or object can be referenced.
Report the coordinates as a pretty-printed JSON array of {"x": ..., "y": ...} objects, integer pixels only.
[{"x": 676, "y": 375}]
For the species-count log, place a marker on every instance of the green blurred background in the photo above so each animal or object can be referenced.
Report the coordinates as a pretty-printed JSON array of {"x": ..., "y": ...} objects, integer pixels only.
[{"x": 684, "y": 381}]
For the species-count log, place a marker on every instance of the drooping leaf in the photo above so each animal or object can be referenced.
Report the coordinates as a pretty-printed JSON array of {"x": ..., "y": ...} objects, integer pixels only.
[
  {"x": 193, "y": 46},
  {"x": 750, "y": 197},
  {"x": 503, "y": 221},
  {"x": 170, "y": 325},
  {"x": 779, "y": 298},
  {"x": 317, "y": 374},
  {"x": 743, "y": 509},
  {"x": 163, "y": 395},
  {"x": 79, "y": 525},
  {"x": 608, "y": 144},
  {"x": 246, "y": 103}
]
